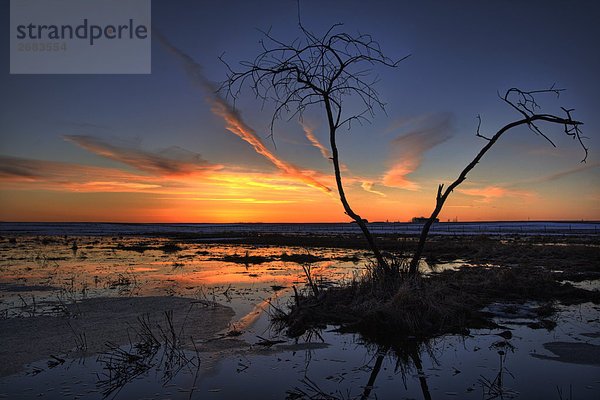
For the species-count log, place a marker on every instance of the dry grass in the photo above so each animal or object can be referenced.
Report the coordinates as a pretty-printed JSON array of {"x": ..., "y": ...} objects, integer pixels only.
[
  {"x": 161, "y": 347},
  {"x": 386, "y": 302}
]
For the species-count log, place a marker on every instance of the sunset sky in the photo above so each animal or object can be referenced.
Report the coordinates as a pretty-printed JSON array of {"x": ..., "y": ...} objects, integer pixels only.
[{"x": 164, "y": 148}]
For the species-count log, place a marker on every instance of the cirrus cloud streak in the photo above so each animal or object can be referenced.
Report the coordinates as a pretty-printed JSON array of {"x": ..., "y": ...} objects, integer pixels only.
[
  {"x": 233, "y": 120},
  {"x": 407, "y": 151},
  {"x": 172, "y": 162},
  {"x": 490, "y": 193}
]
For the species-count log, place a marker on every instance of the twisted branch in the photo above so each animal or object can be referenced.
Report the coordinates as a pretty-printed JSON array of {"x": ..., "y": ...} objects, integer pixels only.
[{"x": 524, "y": 102}]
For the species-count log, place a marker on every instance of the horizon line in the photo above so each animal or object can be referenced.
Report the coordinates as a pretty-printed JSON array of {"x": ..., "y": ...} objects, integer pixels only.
[{"x": 295, "y": 223}]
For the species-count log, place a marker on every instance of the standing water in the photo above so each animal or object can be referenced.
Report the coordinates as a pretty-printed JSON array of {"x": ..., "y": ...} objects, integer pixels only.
[{"x": 232, "y": 351}]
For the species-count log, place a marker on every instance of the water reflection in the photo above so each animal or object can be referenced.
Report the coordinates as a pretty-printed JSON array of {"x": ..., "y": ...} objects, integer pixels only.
[
  {"x": 53, "y": 267},
  {"x": 38, "y": 275},
  {"x": 487, "y": 364}
]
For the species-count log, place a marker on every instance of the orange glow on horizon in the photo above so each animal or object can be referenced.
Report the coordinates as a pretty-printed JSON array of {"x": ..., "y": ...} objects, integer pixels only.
[
  {"x": 55, "y": 206},
  {"x": 53, "y": 191}
]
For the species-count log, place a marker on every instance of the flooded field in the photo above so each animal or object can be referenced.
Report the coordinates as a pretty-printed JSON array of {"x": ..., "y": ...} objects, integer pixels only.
[
  {"x": 36, "y": 272},
  {"x": 113, "y": 294}
]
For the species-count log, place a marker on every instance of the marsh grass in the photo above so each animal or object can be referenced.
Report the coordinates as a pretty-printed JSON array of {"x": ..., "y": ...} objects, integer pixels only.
[
  {"x": 125, "y": 282},
  {"x": 29, "y": 308},
  {"x": 142, "y": 247},
  {"x": 177, "y": 265},
  {"x": 160, "y": 346},
  {"x": 170, "y": 248},
  {"x": 244, "y": 259},
  {"x": 309, "y": 389},
  {"x": 496, "y": 388},
  {"x": 80, "y": 338},
  {"x": 139, "y": 247},
  {"x": 299, "y": 258},
  {"x": 387, "y": 301}
]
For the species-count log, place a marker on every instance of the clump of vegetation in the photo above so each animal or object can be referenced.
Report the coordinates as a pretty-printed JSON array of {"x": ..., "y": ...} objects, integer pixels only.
[
  {"x": 121, "y": 280},
  {"x": 143, "y": 247},
  {"x": 177, "y": 265},
  {"x": 352, "y": 258},
  {"x": 46, "y": 240},
  {"x": 140, "y": 248},
  {"x": 170, "y": 248},
  {"x": 301, "y": 258},
  {"x": 390, "y": 300},
  {"x": 258, "y": 259},
  {"x": 245, "y": 259},
  {"x": 124, "y": 283}
]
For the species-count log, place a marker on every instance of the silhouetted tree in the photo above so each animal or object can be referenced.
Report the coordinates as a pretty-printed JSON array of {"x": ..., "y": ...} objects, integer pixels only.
[
  {"x": 525, "y": 104},
  {"x": 317, "y": 71},
  {"x": 324, "y": 70}
]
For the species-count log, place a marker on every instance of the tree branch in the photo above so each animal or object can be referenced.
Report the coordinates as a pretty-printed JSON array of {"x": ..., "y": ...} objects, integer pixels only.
[{"x": 525, "y": 103}]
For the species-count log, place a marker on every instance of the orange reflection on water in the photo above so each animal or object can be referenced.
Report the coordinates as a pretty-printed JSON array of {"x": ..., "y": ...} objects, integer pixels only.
[
  {"x": 42, "y": 270},
  {"x": 250, "y": 318}
]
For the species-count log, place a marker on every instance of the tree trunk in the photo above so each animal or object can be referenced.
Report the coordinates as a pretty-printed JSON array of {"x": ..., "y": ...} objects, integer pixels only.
[{"x": 338, "y": 179}]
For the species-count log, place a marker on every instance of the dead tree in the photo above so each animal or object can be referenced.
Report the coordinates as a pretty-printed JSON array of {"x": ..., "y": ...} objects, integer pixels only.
[
  {"x": 525, "y": 104},
  {"x": 317, "y": 71}
]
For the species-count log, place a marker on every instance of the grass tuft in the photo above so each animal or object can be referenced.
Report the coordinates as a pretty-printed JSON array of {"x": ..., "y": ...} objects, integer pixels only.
[{"x": 386, "y": 301}]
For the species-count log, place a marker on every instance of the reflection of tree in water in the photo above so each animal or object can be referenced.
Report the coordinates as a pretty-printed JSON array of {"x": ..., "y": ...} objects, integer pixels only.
[{"x": 405, "y": 355}]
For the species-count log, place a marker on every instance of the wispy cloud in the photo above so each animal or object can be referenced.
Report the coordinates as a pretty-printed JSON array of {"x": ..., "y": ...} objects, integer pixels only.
[
  {"x": 559, "y": 175},
  {"x": 89, "y": 126},
  {"x": 266, "y": 188},
  {"x": 402, "y": 122},
  {"x": 20, "y": 173},
  {"x": 490, "y": 193},
  {"x": 173, "y": 161},
  {"x": 406, "y": 154},
  {"x": 234, "y": 122},
  {"x": 310, "y": 135},
  {"x": 349, "y": 178},
  {"x": 368, "y": 186},
  {"x": 239, "y": 200},
  {"x": 546, "y": 151},
  {"x": 15, "y": 168}
]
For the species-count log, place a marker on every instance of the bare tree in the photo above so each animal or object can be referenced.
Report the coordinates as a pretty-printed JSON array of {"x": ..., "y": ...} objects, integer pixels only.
[
  {"x": 324, "y": 70},
  {"x": 525, "y": 104},
  {"x": 317, "y": 71}
]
